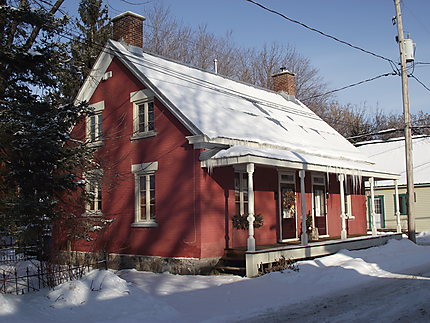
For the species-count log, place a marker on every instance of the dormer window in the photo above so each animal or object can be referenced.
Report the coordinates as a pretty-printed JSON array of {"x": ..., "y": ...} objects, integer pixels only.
[{"x": 143, "y": 114}]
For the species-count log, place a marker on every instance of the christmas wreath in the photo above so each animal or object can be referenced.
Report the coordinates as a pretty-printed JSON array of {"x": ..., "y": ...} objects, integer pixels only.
[{"x": 241, "y": 221}]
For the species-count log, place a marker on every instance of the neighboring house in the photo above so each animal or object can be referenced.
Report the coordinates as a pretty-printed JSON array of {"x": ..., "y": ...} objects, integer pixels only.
[
  {"x": 390, "y": 155},
  {"x": 185, "y": 152}
]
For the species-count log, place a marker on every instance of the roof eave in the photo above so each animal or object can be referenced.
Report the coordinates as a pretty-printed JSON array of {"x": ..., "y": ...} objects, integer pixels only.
[
  {"x": 267, "y": 161},
  {"x": 93, "y": 79},
  {"x": 164, "y": 100},
  {"x": 99, "y": 69}
]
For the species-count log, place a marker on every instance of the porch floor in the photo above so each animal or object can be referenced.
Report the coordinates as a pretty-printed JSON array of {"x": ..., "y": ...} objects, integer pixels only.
[
  {"x": 295, "y": 243},
  {"x": 238, "y": 258}
]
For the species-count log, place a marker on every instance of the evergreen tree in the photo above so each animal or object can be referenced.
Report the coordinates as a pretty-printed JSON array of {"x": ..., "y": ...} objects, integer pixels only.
[
  {"x": 38, "y": 159},
  {"x": 94, "y": 29}
]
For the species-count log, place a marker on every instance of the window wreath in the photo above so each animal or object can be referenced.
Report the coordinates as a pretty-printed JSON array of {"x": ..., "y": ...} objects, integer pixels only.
[{"x": 241, "y": 221}]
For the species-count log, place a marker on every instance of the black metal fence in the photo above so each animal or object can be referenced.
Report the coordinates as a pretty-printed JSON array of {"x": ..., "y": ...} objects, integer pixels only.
[
  {"x": 11, "y": 255},
  {"x": 21, "y": 272},
  {"x": 37, "y": 275}
]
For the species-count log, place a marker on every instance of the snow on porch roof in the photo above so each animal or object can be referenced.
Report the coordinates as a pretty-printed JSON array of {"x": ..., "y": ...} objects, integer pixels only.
[{"x": 288, "y": 159}]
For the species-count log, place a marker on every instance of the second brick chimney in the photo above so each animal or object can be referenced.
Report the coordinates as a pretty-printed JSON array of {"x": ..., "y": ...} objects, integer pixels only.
[
  {"x": 284, "y": 81},
  {"x": 128, "y": 27}
]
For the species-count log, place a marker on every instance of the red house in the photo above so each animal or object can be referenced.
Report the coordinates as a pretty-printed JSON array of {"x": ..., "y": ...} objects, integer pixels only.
[{"x": 187, "y": 153}]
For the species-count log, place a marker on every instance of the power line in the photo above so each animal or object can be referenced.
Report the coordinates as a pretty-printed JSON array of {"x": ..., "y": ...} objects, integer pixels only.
[
  {"x": 380, "y": 132},
  {"x": 392, "y": 63},
  {"x": 415, "y": 16},
  {"x": 351, "y": 85},
  {"x": 416, "y": 79},
  {"x": 308, "y": 98},
  {"x": 135, "y": 4},
  {"x": 311, "y": 97}
]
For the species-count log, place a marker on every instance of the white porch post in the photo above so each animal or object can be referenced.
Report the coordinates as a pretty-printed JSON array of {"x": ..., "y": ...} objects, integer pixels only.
[
  {"x": 251, "y": 218},
  {"x": 396, "y": 188},
  {"x": 372, "y": 206},
  {"x": 343, "y": 233},
  {"x": 304, "y": 236}
]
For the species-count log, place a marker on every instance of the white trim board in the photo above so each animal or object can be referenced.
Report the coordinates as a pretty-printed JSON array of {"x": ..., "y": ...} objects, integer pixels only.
[{"x": 229, "y": 161}]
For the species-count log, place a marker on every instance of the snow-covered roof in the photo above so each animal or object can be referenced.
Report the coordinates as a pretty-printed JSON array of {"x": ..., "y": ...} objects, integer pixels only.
[
  {"x": 390, "y": 156},
  {"x": 217, "y": 108}
]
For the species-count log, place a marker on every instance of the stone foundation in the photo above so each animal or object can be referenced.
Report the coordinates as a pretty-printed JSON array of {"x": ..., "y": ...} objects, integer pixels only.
[{"x": 180, "y": 265}]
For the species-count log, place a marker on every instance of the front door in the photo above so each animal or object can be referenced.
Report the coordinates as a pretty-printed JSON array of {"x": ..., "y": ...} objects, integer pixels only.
[
  {"x": 320, "y": 214},
  {"x": 288, "y": 211},
  {"x": 379, "y": 212}
]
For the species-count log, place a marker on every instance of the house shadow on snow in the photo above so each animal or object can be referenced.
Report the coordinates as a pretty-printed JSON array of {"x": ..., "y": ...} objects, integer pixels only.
[{"x": 165, "y": 297}]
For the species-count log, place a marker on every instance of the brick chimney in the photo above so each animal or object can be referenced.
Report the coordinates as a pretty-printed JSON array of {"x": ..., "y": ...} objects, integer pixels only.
[
  {"x": 284, "y": 81},
  {"x": 128, "y": 27}
]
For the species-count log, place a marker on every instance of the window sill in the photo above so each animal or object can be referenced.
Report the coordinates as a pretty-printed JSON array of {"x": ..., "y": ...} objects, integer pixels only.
[
  {"x": 95, "y": 143},
  {"x": 93, "y": 214},
  {"x": 144, "y": 225},
  {"x": 142, "y": 135}
]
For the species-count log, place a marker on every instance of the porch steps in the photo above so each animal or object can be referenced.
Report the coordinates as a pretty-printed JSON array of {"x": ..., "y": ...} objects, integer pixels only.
[{"x": 232, "y": 263}]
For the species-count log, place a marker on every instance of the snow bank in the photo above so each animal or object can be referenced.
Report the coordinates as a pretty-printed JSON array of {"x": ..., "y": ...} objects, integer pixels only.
[
  {"x": 424, "y": 238},
  {"x": 147, "y": 297},
  {"x": 6, "y": 305},
  {"x": 103, "y": 284}
]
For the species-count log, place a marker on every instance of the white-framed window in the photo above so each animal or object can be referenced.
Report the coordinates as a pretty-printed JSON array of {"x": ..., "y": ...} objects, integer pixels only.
[
  {"x": 94, "y": 124},
  {"x": 143, "y": 114},
  {"x": 241, "y": 191},
  {"x": 145, "y": 194},
  {"x": 93, "y": 185}
]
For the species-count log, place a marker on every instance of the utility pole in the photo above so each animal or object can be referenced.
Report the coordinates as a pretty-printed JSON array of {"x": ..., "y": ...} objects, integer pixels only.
[{"x": 408, "y": 136}]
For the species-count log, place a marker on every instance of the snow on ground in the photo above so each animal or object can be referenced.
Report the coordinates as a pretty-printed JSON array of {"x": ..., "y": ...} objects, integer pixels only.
[
  {"x": 424, "y": 238},
  {"x": 134, "y": 296}
]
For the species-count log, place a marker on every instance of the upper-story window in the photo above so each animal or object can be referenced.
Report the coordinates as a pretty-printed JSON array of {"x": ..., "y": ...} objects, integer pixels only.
[
  {"x": 95, "y": 124},
  {"x": 143, "y": 114},
  {"x": 146, "y": 116}
]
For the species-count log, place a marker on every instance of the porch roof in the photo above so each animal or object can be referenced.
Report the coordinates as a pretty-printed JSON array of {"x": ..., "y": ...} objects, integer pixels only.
[{"x": 295, "y": 160}]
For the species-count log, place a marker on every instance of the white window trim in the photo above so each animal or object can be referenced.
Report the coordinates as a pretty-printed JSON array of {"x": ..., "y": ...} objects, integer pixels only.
[
  {"x": 241, "y": 169},
  {"x": 95, "y": 212},
  {"x": 98, "y": 110},
  {"x": 138, "y": 98},
  {"x": 141, "y": 170}
]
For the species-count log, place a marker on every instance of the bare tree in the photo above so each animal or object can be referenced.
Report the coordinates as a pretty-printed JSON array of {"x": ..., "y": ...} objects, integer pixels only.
[{"x": 170, "y": 38}]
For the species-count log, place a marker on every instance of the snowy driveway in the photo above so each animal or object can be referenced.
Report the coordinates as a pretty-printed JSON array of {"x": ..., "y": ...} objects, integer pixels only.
[{"x": 397, "y": 298}]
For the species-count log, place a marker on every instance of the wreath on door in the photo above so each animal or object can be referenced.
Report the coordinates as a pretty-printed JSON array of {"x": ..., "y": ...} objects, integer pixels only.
[{"x": 289, "y": 203}]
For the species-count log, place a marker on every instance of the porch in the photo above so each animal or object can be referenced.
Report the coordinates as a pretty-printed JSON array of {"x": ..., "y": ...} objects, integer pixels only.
[{"x": 250, "y": 263}]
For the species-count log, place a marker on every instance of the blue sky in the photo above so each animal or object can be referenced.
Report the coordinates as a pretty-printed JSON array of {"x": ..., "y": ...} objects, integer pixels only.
[{"x": 364, "y": 23}]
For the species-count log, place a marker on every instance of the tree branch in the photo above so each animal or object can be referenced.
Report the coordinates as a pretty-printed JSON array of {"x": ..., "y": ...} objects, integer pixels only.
[{"x": 36, "y": 29}]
